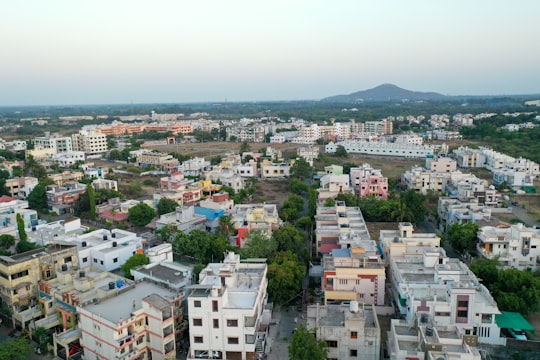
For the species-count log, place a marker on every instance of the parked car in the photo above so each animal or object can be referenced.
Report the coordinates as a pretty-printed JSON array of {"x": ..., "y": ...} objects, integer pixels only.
[{"x": 517, "y": 334}]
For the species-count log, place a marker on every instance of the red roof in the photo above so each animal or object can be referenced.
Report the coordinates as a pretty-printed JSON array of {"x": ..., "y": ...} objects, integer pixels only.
[
  {"x": 114, "y": 217},
  {"x": 5, "y": 198},
  {"x": 327, "y": 248}
]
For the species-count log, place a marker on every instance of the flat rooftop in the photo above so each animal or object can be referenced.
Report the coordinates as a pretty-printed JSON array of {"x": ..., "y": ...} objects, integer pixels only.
[{"x": 120, "y": 307}]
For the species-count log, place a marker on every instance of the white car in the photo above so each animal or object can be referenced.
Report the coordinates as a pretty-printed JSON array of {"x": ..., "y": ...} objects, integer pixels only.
[{"x": 517, "y": 334}]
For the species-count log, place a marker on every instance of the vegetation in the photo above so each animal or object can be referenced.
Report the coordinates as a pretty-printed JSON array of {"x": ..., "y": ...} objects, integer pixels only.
[
  {"x": 305, "y": 346},
  {"x": 16, "y": 349},
  {"x": 166, "y": 205},
  {"x": 512, "y": 289},
  {"x": 37, "y": 199},
  {"x": 141, "y": 214},
  {"x": 200, "y": 246},
  {"x": 91, "y": 201},
  {"x": 462, "y": 237},
  {"x": 259, "y": 245},
  {"x": 285, "y": 274},
  {"x": 20, "y": 228},
  {"x": 133, "y": 262}
]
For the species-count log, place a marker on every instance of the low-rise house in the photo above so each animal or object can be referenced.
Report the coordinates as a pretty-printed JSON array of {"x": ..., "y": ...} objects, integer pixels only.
[
  {"x": 333, "y": 185},
  {"x": 219, "y": 201},
  {"x": 515, "y": 246},
  {"x": 66, "y": 159},
  {"x": 351, "y": 331},
  {"x": 195, "y": 167},
  {"x": 275, "y": 171},
  {"x": 309, "y": 153},
  {"x": 21, "y": 187},
  {"x": 60, "y": 199},
  {"x": 451, "y": 210},
  {"x": 184, "y": 218},
  {"x": 159, "y": 160},
  {"x": 66, "y": 177},
  {"x": 105, "y": 184}
]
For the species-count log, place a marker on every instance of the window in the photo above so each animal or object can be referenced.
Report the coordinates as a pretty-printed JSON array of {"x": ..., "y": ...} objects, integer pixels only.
[
  {"x": 216, "y": 323},
  {"x": 232, "y": 323},
  {"x": 354, "y": 335},
  {"x": 197, "y": 303},
  {"x": 354, "y": 352},
  {"x": 197, "y": 322},
  {"x": 101, "y": 262},
  {"x": 67, "y": 259},
  {"x": 332, "y": 343},
  {"x": 214, "y": 305},
  {"x": 115, "y": 260},
  {"x": 95, "y": 260},
  {"x": 85, "y": 259},
  {"x": 232, "y": 340},
  {"x": 198, "y": 339}
]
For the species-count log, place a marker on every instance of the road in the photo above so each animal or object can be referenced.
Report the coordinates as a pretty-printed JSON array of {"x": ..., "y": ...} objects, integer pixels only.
[
  {"x": 524, "y": 216},
  {"x": 284, "y": 320}
]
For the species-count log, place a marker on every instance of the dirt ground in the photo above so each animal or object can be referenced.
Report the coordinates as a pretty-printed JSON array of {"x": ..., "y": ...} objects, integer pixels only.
[{"x": 271, "y": 191}]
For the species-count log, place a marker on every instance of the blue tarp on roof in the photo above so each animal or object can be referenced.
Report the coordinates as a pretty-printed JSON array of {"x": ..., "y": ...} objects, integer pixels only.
[
  {"x": 512, "y": 320},
  {"x": 341, "y": 252},
  {"x": 210, "y": 214}
]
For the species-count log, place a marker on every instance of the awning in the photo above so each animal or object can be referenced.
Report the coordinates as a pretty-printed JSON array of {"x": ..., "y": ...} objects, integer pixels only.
[{"x": 513, "y": 320}]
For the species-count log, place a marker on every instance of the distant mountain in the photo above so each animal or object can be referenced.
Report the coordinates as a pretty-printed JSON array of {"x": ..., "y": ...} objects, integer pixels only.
[{"x": 385, "y": 92}]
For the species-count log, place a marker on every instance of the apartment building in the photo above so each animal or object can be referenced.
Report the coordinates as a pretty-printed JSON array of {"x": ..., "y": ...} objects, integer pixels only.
[
  {"x": 515, "y": 246},
  {"x": 469, "y": 188},
  {"x": 422, "y": 180},
  {"x": 274, "y": 171},
  {"x": 184, "y": 218},
  {"x": 195, "y": 167},
  {"x": 21, "y": 187},
  {"x": 368, "y": 181},
  {"x": 66, "y": 177},
  {"x": 381, "y": 127},
  {"x": 383, "y": 148},
  {"x": 354, "y": 272},
  {"x": 219, "y": 201},
  {"x": 441, "y": 164},
  {"x": 351, "y": 331},
  {"x": 333, "y": 185},
  {"x": 61, "y": 199},
  {"x": 136, "y": 321},
  {"x": 309, "y": 153},
  {"x": 19, "y": 276},
  {"x": 404, "y": 242},
  {"x": 159, "y": 160},
  {"x": 53, "y": 142},
  {"x": 227, "y": 176},
  {"x": 105, "y": 184},
  {"x": 247, "y": 170},
  {"x": 256, "y": 217},
  {"x": 446, "y": 291},
  {"x": 90, "y": 142},
  {"x": 469, "y": 158},
  {"x": 333, "y": 223},
  {"x": 227, "y": 310},
  {"x": 9, "y": 208},
  {"x": 451, "y": 210}
]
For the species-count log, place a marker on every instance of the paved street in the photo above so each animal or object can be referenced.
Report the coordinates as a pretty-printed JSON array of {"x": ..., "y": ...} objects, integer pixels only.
[{"x": 285, "y": 320}]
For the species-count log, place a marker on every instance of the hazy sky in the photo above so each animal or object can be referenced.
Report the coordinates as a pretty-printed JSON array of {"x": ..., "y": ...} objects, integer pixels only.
[{"x": 116, "y": 51}]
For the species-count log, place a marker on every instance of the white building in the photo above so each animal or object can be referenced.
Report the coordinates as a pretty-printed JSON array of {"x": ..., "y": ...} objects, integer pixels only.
[
  {"x": 105, "y": 184},
  {"x": 90, "y": 142},
  {"x": 66, "y": 159},
  {"x": 383, "y": 148},
  {"x": 55, "y": 143},
  {"x": 333, "y": 185},
  {"x": 516, "y": 246},
  {"x": 183, "y": 218},
  {"x": 275, "y": 171},
  {"x": 227, "y": 310},
  {"x": 351, "y": 332},
  {"x": 309, "y": 153},
  {"x": 194, "y": 167},
  {"x": 451, "y": 210}
]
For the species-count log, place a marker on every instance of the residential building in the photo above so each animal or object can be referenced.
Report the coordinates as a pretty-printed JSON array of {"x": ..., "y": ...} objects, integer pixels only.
[
  {"x": 9, "y": 209},
  {"x": 469, "y": 158},
  {"x": 105, "y": 184},
  {"x": 66, "y": 159},
  {"x": 137, "y": 321},
  {"x": 331, "y": 222},
  {"x": 354, "y": 272},
  {"x": 228, "y": 318},
  {"x": 274, "y": 171},
  {"x": 21, "y": 187},
  {"x": 309, "y": 153},
  {"x": 195, "y": 167},
  {"x": 469, "y": 188},
  {"x": 405, "y": 243},
  {"x": 66, "y": 177},
  {"x": 55, "y": 143},
  {"x": 515, "y": 246},
  {"x": 219, "y": 201},
  {"x": 422, "y": 180},
  {"x": 90, "y": 142},
  {"x": 384, "y": 148},
  {"x": 451, "y": 210},
  {"x": 350, "y": 331},
  {"x": 226, "y": 176},
  {"x": 159, "y": 160},
  {"x": 441, "y": 164},
  {"x": 368, "y": 181},
  {"x": 20, "y": 275},
  {"x": 256, "y": 216},
  {"x": 333, "y": 185},
  {"x": 247, "y": 170},
  {"x": 60, "y": 199},
  {"x": 184, "y": 218}
]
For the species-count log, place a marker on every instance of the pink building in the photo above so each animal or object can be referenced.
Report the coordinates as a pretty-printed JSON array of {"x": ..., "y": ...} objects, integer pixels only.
[{"x": 369, "y": 181}]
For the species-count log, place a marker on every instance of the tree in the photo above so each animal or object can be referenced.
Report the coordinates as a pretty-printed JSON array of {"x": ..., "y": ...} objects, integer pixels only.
[
  {"x": 24, "y": 246},
  {"x": 285, "y": 274},
  {"x": 166, "y": 233},
  {"x": 132, "y": 263},
  {"x": 329, "y": 202},
  {"x": 259, "y": 245},
  {"x": 305, "y": 346},
  {"x": 42, "y": 336},
  {"x": 350, "y": 199},
  {"x": 141, "y": 214},
  {"x": 37, "y": 199},
  {"x": 4, "y": 175},
  {"x": 297, "y": 186},
  {"x": 341, "y": 152},
  {"x": 226, "y": 226},
  {"x": 245, "y": 147},
  {"x": 91, "y": 201},
  {"x": 289, "y": 238},
  {"x": 301, "y": 169},
  {"x": 16, "y": 349},
  {"x": 462, "y": 237},
  {"x": 166, "y": 205},
  {"x": 415, "y": 201},
  {"x": 201, "y": 246},
  {"x": 7, "y": 241},
  {"x": 20, "y": 227}
]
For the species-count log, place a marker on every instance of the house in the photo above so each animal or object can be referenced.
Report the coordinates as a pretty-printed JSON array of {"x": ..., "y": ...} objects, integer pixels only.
[
  {"x": 184, "y": 218},
  {"x": 274, "y": 171},
  {"x": 333, "y": 185},
  {"x": 368, "y": 181},
  {"x": 21, "y": 187}
]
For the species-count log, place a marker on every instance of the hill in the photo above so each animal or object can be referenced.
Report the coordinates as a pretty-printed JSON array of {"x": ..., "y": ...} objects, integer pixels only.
[{"x": 385, "y": 92}]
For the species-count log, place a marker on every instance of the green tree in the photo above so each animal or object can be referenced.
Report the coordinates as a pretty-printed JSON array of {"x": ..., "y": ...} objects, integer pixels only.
[
  {"x": 341, "y": 152},
  {"x": 417, "y": 201},
  {"x": 259, "y": 245},
  {"x": 92, "y": 201},
  {"x": 132, "y": 263},
  {"x": 245, "y": 147},
  {"x": 24, "y": 246},
  {"x": 42, "y": 337},
  {"x": 350, "y": 199},
  {"x": 462, "y": 237},
  {"x": 167, "y": 232},
  {"x": 141, "y": 214},
  {"x": 297, "y": 186},
  {"x": 289, "y": 238},
  {"x": 4, "y": 175},
  {"x": 166, "y": 205},
  {"x": 329, "y": 202},
  {"x": 301, "y": 169},
  {"x": 7, "y": 241},
  {"x": 201, "y": 245},
  {"x": 226, "y": 226},
  {"x": 285, "y": 274},
  {"x": 16, "y": 349},
  {"x": 37, "y": 199},
  {"x": 20, "y": 227},
  {"x": 305, "y": 346}
]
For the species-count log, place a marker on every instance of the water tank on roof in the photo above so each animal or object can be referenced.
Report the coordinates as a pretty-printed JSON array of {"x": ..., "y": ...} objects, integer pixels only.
[
  {"x": 111, "y": 285},
  {"x": 424, "y": 318},
  {"x": 353, "y": 307},
  {"x": 119, "y": 283}
]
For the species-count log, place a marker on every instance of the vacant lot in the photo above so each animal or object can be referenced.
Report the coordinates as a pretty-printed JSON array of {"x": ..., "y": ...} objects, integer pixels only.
[{"x": 271, "y": 191}]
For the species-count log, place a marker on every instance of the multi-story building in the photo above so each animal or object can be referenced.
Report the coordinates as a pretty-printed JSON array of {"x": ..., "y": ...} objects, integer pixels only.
[
  {"x": 90, "y": 142},
  {"x": 368, "y": 181},
  {"x": 20, "y": 275},
  {"x": 333, "y": 185},
  {"x": 9, "y": 209},
  {"x": 383, "y": 148},
  {"x": 333, "y": 223},
  {"x": 469, "y": 188},
  {"x": 515, "y": 246},
  {"x": 355, "y": 272},
  {"x": 194, "y": 167},
  {"x": 66, "y": 159},
  {"x": 54, "y": 142},
  {"x": 350, "y": 331},
  {"x": 160, "y": 160},
  {"x": 66, "y": 177},
  {"x": 256, "y": 217},
  {"x": 405, "y": 243},
  {"x": 309, "y": 153},
  {"x": 61, "y": 199},
  {"x": 105, "y": 184},
  {"x": 247, "y": 170},
  {"x": 219, "y": 201},
  {"x": 228, "y": 318},
  {"x": 382, "y": 127},
  {"x": 136, "y": 321},
  {"x": 451, "y": 210},
  {"x": 469, "y": 158},
  {"x": 441, "y": 164},
  {"x": 226, "y": 176},
  {"x": 274, "y": 171},
  {"x": 21, "y": 187},
  {"x": 422, "y": 180}
]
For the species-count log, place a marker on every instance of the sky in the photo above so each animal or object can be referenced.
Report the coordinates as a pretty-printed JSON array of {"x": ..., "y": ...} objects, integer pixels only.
[{"x": 60, "y": 52}]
